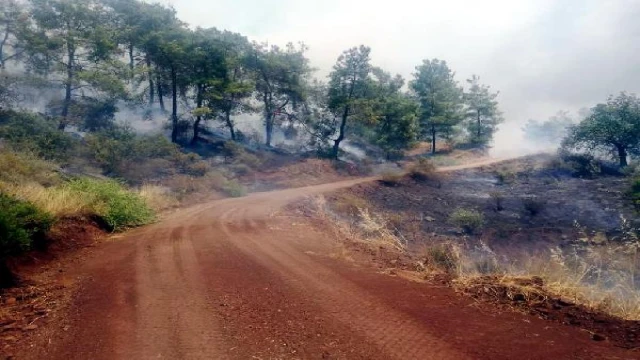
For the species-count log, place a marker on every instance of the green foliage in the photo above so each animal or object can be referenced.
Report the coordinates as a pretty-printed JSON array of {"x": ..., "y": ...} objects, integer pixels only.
[
  {"x": 504, "y": 176},
  {"x": 22, "y": 168},
  {"x": 21, "y": 226},
  {"x": 32, "y": 133},
  {"x": 234, "y": 189},
  {"x": 470, "y": 221},
  {"x": 280, "y": 81},
  {"x": 120, "y": 152},
  {"x": 440, "y": 100},
  {"x": 75, "y": 40},
  {"x": 118, "y": 207},
  {"x": 394, "y": 115},
  {"x": 613, "y": 127},
  {"x": 482, "y": 113},
  {"x": 578, "y": 165},
  {"x": 347, "y": 93}
]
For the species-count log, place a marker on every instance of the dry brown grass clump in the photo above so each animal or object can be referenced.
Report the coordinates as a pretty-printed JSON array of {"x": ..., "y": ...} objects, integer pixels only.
[
  {"x": 59, "y": 201},
  {"x": 423, "y": 170},
  {"x": 391, "y": 178},
  {"x": 158, "y": 198}
]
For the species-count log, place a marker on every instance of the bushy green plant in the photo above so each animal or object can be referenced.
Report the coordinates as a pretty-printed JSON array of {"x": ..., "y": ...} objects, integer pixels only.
[
  {"x": 234, "y": 189},
  {"x": 28, "y": 132},
  {"x": 505, "y": 177},
  {"x": 469, "y": 221},
  {"x": 21, "y": 226},
  {"x": 118, "y": 207}
]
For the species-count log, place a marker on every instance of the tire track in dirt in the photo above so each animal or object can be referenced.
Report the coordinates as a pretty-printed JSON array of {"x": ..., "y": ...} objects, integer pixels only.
[{"x": 215, "y": 281}]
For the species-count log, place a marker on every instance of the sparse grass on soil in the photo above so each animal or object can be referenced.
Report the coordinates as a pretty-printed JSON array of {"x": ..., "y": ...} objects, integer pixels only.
[{"x": 598, "y": 272}]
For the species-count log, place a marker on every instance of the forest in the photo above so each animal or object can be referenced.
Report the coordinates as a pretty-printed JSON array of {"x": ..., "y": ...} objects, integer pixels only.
[{"x": 81, "y": 63}]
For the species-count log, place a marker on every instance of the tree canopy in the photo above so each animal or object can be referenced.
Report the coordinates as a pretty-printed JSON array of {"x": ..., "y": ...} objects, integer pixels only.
[{"x": 612, "y": 127}]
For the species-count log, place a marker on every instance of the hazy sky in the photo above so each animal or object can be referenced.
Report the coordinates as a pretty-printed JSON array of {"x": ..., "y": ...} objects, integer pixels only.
[{"x": 542, "y": 55}]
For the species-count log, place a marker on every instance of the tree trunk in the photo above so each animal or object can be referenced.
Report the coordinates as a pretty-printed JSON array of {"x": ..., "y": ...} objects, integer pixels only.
[
  {"x": 232, "y": 130},
  {"x": 152, "y": 89},
  {"x": 160, "y": 94},
  {"x": 68, "y": 89},
  {"x": 2, "y": 43},
  {"x": 131, "y": 60},
  {"x": 622, "y": 155},
  {"x": 335, "y": 152},
  {"x": 268, "y": 120},
  {"x": 479, "y": 127},
  {"x": 433, "y": 139},
  {"x": 174, "y": 106},
  {"x": 269, "y": 128},
  {"x": 196, "y": 124}
]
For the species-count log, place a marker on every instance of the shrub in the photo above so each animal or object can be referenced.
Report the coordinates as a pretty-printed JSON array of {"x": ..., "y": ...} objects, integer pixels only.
[
  {"x": 469, "y": 221},
  {"x": 234, "y": 189},
  {"x": 20, "y": 168},
  {"x": 59, "y": 201},
  {"x": 442, "y": 257},
  {"x": 578, "y": 165},
  {"x": 157, "y": 197},
  {"x": 391, "y": 178},
  {"x": 28, "y": 132},
  {"x": 533, "y": 206},
  {"x": 423, "y": 170},
  {"x": 504, "y": 177},
  {"x": 21, "y": 226},
  {"x": 498, "y": 200},
  {"x": 118, "y": 207}
]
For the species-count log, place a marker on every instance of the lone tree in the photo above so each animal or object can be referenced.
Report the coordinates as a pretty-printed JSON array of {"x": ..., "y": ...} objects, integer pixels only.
[
  {"x": 348, "y": 85},
  {"x": 440, "y": 99},
  {"x": 612, "y": 127},
  {"x": 482, "y": 114}
]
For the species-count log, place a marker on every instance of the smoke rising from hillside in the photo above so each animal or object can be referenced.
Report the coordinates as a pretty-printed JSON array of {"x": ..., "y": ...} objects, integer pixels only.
[{"x": 542, "y": 55}]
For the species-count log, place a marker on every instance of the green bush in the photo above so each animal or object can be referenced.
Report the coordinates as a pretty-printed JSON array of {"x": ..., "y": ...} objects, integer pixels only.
[
  {"x": 505, "y": 177},
  {"x": 28, "y": 132},
  {"x": 469, "y": 221},
  {"x": 21, "y": 226},
  {"x": 234, "y": 189},
  {"x": 118, "y": 207}
]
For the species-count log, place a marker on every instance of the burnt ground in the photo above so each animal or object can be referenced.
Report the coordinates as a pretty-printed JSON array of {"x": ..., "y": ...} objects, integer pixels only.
[
  {"x": 424, "y": 207},
  {"x": 571, "y": 207}
]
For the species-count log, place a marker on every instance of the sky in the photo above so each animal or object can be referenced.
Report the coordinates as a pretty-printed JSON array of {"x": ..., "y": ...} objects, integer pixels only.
[{"x": 541, "y": 55}]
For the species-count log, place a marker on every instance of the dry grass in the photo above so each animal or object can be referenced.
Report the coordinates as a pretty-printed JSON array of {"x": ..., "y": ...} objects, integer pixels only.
[
  {"x": 423, "y": 170},
  {"x": 364, "y": 227},
  {"x": 599, "y": 273},
  {"x": 59, "y": 201},
  {"x": 391, "y": 178},
  {"x": 158, "y": 198}
]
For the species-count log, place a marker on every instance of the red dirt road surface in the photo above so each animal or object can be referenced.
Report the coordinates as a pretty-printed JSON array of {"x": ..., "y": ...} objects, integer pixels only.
[{"x": 233, "y": 279}]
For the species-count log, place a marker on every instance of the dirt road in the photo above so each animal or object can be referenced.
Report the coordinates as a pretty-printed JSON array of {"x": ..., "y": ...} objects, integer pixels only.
[{"x": 232, "y": 279}]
